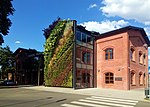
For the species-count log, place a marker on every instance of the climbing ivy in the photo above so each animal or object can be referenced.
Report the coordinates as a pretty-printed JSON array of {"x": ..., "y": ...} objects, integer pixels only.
[{"x": 58, "y": 55}]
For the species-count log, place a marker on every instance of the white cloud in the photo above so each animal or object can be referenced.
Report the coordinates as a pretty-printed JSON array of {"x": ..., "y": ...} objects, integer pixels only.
[
  {"x": 147, "y": 30},
  {"x": 149, "y": 57},
  {"x": 92, "y": 6},
  {"x": 104, "y": 26},
  {"x": 128, "y": 9},
  {"x": 17, "y": 42}
]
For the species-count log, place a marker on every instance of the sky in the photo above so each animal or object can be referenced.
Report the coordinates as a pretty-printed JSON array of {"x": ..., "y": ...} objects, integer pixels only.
[{"x": 32, "y": 16}]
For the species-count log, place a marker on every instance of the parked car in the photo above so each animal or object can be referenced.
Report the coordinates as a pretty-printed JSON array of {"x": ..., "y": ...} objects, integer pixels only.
[{"x": 9, "y": 82}]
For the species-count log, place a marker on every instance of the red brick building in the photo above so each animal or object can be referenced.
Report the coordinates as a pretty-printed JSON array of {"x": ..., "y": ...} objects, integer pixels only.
[
  {"x": 122, "y": 59},
  {"x": 117, "y": 59},
  {"x": 29, "y": 67}
]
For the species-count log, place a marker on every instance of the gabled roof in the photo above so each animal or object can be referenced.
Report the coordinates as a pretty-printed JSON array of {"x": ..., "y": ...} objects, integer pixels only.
[
  {"x": 30, "y": 51},
  {"x": 125, "y": 29}
]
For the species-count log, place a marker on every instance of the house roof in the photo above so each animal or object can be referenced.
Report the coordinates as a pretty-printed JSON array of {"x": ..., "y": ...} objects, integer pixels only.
[
  {"x": 29, "y": 51},
  {"x": 125, "y": 29}
]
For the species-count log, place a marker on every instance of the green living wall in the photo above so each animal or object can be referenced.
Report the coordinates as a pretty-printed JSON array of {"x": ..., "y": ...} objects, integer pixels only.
[{"x": 58, "y": 53}]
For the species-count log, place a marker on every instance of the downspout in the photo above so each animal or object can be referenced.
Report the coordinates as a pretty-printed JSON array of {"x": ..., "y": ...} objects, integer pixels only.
[
  {"x": 74, "y": 54},
  {"x": 128, "y": 67}
]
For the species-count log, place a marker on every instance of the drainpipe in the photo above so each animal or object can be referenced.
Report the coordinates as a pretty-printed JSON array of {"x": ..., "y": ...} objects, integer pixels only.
[{"x": 74, "y": 55}]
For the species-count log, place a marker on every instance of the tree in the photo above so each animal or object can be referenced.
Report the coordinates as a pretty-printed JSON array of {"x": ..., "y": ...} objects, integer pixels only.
[
  {"x": 6, "y": 9},
  {"x": 6, "y": 59}
]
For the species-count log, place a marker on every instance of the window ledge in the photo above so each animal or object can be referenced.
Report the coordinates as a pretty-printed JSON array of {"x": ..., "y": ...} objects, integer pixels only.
[
  {"x": 141, "y": 63},
  {"x": 109, "y": 84},
  {"x": 132, "y": 60}
]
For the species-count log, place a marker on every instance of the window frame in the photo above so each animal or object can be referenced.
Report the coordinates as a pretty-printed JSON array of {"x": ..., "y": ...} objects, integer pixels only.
[
  {"x": 140, "y": 78},
  {"x": 109, "y": 78},
  {"x": 86, "y": 57},
  {"x": 144, "y": 59},
  {"x": 133, "y": 78},
  {"x": 132, "y": 54},
  {"x": 109, "y": 54},
  {"x": 140, "y": 56}
]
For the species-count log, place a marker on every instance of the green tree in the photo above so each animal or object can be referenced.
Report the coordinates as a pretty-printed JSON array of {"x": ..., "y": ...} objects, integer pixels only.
[
  {"x": 6, "y": 9},
  {"x": 6, "y": 59}
]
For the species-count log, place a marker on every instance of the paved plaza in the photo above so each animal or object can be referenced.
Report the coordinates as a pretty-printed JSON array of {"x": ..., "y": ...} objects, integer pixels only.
[{"x": 137, "y": 94}]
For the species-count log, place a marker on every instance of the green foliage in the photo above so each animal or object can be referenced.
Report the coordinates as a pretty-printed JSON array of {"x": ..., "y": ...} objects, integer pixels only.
[
  {"x": 6, "y": 59},
  {"x": 6, "y": 9},
  {"x": 58, "y": 55},
  {"x": 52, "y": 42}
]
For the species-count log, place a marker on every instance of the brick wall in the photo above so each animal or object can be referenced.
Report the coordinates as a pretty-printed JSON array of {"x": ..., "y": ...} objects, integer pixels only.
[{"x": 121, "y": 64}]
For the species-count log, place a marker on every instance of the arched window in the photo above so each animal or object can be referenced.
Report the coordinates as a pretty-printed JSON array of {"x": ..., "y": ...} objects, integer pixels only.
[
  {"x": 144, "y": 79},
  {"x": 108, "y": 53},
  {"x": 86, "y": 57},
  {"x": 132, "y": 78},
  {"x": 132, "y": 54},
  {"x": 140, "y": 79},
  {"x": 140, "y": 57},
  {"x": 144, "y": 59},
  {"x": 86, "y": 78},
  {"x": 109, "y": 78}
]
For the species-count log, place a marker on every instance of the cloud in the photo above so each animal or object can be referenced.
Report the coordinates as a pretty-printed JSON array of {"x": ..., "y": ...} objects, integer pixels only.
[
  {"x": 17, "y": 42},
  {"x": 104, "y": 26},
  {"x": 128, "y": 9},
  {"x": 92, "y": 6},
  {"x": 147, "y": 30},
  {"x": 149, "y": 57}
]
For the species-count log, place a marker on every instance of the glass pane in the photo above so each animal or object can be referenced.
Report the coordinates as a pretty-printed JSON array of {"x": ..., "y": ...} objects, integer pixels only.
[
  {"x": 107, "y": 78},
  {"x": 111, "y": 78},
  {"x": 78, "y": 36},
  {"x": 111, "y": 74},
  {"x": 89, "y": 39},
  {"x": 107, "y": 74},
  {"x": 112, "y": 82},
  {"x": 83, "y": 37},
  {"x": 88, "y": 57},
  {"x": 107, "y": 82}
]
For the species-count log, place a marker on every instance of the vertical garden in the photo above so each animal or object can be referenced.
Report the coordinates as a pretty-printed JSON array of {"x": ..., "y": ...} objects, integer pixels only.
[{"x": 58, "y": 53}]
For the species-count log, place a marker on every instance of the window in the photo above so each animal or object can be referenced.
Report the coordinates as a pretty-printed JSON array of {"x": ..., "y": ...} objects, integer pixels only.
[
  {"x": 83, "y": 37},
  {"x": 89, "y": 40},
  {"x": 86, "y": 78},
  {"x": 86, "y": 57},
  {"x": 140, "y": 58},
  {"x": 132, "y": 54},
  {"x": 78, "y": 36},
  {"x": 109, "y": 78},
  {"x": 108, "y": 54},
  {"x": 140, "y": 78},
  {"x": 144, "y": 79},
  {"x": 132, "y": 78},
  {"x": 144, "y": 59}
]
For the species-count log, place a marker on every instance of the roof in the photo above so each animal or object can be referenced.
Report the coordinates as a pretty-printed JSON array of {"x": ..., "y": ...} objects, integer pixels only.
[
  {"x": 82, "y": 29},
  {"x": 125, "y": 29},
  {"x": 29, "y": 51}
]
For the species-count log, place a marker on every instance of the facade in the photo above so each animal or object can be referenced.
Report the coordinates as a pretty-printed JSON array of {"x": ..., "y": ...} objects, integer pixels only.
[
  {"x": 77, "y": 58},
  {"x": 29, "y": 67},
  {"x": 122, "y": 59},
  {"x": 85, "y": 75},
  {"x": 69, "y": 55}
]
